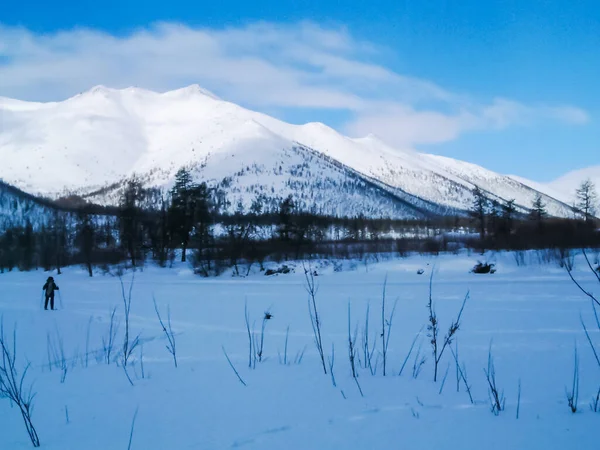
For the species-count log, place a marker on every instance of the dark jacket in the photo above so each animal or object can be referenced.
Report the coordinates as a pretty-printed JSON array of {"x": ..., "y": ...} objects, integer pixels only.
[{"x": 50, "y": 287}]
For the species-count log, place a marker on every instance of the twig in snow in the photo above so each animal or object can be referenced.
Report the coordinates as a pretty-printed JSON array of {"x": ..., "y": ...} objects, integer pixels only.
[
  {"x": 463, "y": 374},
  {"x": 595, "y": 404},
  {"x": 250, "y": 343},
  {"x": 519, "y": 399},
  {"x": 412, "y": 346},
  {"x": 131, "y": 430},
  {"x": 331, "y": 361},
  {"x": 444, "y": 379},
  {"x": 233, "y": 367},
  {"x": 108, "y": 343}
]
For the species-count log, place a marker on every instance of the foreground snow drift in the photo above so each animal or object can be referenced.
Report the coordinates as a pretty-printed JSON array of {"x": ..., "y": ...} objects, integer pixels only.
[{"x": 531, "y": 313}]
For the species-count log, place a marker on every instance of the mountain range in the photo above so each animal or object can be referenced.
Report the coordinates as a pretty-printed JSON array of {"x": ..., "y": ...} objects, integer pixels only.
[{"x": 92, "y": 143}]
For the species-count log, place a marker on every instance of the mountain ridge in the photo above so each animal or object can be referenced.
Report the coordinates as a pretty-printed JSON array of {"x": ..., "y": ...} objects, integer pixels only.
[{"x": 104, "y": 136}]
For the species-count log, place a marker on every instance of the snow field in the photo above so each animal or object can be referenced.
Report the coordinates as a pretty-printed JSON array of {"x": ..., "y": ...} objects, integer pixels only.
[{"x": 530, "y": 314}]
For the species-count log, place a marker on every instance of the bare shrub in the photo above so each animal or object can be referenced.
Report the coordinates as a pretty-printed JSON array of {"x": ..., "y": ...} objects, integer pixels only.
[
  {"x": 108, "y": 341},
  {"x": 566, "y": 258},
  {"x": 129, "y": 344},
  {"x": 438, "y": 348},
  {"x": 56, "y": 355},
  {"x": 367, "y": 350},
  {"x": 386, "y": 327},
  {"x": 87, "y": 342},
  {"x": 168, "y": 331},
  {"x": 12, "y": 384},
  {"x": 312, "y": 288},
  {"x": 519, "y": 256},
  {"x": 352, "y": 355},
  {"x": 418, "y": 363},
  {"x": 331, "y": 362},
  {"x": 573, "y": 394},
  {"x": 284, "y": 361},
  {"x": 410, "y": 350},
  {"x": 496, "y": 396},
  {"x": 595, "y": 403},
  {"x": 260, "y": 351}
]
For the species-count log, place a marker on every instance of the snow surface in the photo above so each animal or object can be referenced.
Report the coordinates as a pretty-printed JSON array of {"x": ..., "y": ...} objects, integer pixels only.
[
  {"x": 104, "y": 135},
  {"x": 531, "y": 313}
]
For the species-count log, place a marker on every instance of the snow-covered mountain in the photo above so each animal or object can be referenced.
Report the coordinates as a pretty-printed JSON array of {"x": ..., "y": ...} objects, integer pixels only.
[
  {"x": 92, "y": 142},
  {"x": 564, "y": 188}
]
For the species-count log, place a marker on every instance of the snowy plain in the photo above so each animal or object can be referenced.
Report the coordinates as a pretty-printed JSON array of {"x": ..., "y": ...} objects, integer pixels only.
[{"x": 530, "y": 314}]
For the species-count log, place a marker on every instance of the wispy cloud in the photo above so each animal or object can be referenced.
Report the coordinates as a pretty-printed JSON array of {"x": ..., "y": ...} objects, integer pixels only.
[{"x": 263, "y": 65}]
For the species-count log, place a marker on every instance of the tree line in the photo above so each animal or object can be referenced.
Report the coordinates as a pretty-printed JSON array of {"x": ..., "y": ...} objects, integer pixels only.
[
  {"x": 188, "y": 223},
  {"x": 500, "y": 225}
]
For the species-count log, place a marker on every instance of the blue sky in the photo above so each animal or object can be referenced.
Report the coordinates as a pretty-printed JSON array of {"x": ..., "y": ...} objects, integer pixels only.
[{"x": 511, "y": 85}]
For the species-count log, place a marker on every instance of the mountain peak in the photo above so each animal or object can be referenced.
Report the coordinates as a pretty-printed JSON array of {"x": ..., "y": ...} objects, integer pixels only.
[
  {"x": 191, "y": 91},
  {"x": 99, "y": 89}
]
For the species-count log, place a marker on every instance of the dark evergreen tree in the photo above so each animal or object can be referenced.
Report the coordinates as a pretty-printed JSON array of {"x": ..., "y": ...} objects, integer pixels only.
[
  {"x": 494, "y": 218},
  {"x": 8, "y": 253},
  {"x": 188, "y": 201},
  {"x": 479, "y": 211},
  {"x": 27, "y": 246},
  {"x": 285, "y": 224},
  {"x": 131, "y": 231},
  {"x": 509, "y": 211},
  {"x": 586, "y": 196},
  {"x": 85, "y": 238},
  {"x": 538, "y": 213},
  {"x": 59, "y": 228},
  {"x": 202, "y": 237}
]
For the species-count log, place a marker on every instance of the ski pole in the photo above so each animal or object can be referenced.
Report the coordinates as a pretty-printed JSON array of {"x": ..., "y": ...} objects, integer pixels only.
[
  {"x": 60, "y": 299},
  {"x": 42, "y": 301}
]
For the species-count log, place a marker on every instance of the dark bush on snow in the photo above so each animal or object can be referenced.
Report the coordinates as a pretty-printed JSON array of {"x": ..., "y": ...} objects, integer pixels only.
[
  {"x": 483, "y": 268},
  {"x": 283, "y": 269}
]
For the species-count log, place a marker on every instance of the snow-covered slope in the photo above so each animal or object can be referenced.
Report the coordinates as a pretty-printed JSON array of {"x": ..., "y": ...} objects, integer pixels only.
[
  {"x": 568, "y": 183},
  {"x": 17, "y": 208},
  {"x": 564, "y": 188},
  {"x": 99, "y": 138}
]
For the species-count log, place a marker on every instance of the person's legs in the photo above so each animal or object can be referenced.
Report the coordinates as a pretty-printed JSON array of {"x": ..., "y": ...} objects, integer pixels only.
[
  {"x": 46, "y": 303},
  {"x": 52, "y": 301}
]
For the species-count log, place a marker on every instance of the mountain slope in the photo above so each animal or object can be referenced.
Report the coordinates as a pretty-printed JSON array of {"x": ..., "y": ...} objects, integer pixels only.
[
  {"x": 568, "y": 183},
  {"x": 99, "y": 138},
  {"x": 564, "y": 188},
  {"x": 17, "y": 208}
]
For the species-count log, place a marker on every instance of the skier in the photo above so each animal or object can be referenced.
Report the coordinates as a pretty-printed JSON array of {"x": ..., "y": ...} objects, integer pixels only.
[{"x": 49, "y": 289}]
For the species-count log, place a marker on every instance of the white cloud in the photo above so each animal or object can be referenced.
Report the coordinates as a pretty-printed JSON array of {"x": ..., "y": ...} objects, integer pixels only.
[{"x": 262, "y": 65}]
